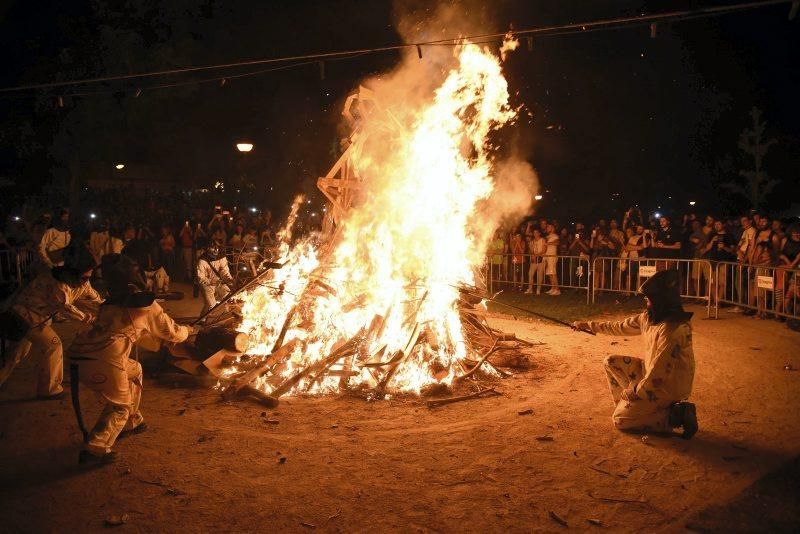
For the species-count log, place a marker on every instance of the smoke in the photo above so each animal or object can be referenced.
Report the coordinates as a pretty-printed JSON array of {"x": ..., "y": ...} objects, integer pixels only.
[{"x": 411, "y": 86}]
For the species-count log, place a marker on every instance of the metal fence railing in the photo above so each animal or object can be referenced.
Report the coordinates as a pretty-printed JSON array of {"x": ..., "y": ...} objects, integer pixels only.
[
  {"x": 762, "y": 288},
  {"x": 625, "y": 275},
  {"x": 15, "y": 266},
  {"x": 531, "y": 273}
]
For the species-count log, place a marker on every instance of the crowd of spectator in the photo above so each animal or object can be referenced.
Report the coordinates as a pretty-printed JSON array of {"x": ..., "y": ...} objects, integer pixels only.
[
  {"x": 542, "y": 252},
  {"x": 166, "y": 242},
  {"x": 167, "y": 237}
]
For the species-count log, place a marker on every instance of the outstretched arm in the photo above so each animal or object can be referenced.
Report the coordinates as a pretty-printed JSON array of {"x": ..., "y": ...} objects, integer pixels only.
[
  {"x": 627, "y": 327},
  {"x": 161, "y": 325}
]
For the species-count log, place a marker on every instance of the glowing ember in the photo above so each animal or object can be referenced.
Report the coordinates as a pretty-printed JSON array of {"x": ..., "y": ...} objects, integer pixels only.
[{"x": 375, "y": 302}]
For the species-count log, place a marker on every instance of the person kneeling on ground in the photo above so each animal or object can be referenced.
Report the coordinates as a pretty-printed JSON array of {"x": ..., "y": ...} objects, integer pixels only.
[
  {"x": 103, "y": 354},
  {"x": 28, "y": 321},
  {"x": 651, "y": 393}
]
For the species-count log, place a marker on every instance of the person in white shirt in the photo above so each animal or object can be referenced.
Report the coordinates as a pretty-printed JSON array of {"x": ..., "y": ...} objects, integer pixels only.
[
  {"x": 61, "y": 290},
  {"x": 54, "y": 241},
  {"x": 102, "y": 355},
  {"x": 537, "y": 246},
  {"x": 214, "y": 276},
  {"x": 551, "y": 259}
]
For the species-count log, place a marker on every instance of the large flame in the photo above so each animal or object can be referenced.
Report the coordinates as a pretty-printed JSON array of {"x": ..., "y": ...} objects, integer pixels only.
[{"x": 388, "y": 278}]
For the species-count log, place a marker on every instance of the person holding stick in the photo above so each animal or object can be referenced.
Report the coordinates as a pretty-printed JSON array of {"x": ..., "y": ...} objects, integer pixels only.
[{"x": 650, "y": 393}]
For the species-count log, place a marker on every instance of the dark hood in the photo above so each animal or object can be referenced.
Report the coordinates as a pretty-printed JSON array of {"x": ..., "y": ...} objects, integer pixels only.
[{"x": 663, "y": 291}]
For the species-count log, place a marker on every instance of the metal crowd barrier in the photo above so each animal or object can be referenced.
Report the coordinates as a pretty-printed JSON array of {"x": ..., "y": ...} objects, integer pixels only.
[
  {"x": 624, "y": 275},
  {"x": 572, "y": 272},
  {"x": 762, "y": 288},
  {"x": 15, "y": 266}
]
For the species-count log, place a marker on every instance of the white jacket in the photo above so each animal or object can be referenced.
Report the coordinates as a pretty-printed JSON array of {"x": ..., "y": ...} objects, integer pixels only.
[
  {"x": 206, "y": 275},
  {"x": 46, "y": 296},
  {"x": 668, "y": 359},
  {"x": 117, "y": 329},
  {"x": 52, "y": 240}
]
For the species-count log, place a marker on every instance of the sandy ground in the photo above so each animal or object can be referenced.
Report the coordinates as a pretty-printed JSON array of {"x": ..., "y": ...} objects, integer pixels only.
[{"x": 344, "y": 464}]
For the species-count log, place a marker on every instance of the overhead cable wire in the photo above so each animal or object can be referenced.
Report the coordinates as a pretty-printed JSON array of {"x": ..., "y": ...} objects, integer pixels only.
[{"x": 562, "y": 29}]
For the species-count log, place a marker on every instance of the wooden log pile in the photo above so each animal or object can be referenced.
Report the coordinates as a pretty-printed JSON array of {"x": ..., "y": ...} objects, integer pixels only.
[{"x": 350, "y": 357}]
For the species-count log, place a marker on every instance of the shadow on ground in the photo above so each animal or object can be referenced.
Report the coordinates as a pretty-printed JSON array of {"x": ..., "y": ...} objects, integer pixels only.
[{"x": 770, "y": 504}]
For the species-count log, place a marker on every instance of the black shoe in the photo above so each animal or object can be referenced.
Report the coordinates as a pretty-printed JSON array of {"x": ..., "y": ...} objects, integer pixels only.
[
  {"x": 57, "y": 396},
  {"x": 684, "y": 414},
  {"x": 86, "y": 457},
  {"x": 136, "y": 430}
]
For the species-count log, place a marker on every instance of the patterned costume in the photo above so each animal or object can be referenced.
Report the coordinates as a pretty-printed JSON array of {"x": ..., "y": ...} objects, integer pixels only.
[
  {"x": 650, "y": 393},
  {"x": 663, "y": 377}
]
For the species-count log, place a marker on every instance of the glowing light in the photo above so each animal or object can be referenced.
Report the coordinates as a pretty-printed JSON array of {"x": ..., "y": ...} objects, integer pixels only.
[
  {"x": 538, "y": 197},
  {"x": 392, "y": 273},
  {"x": 244, "y": 147},
  {"x": 92, "y": 215},
  {"x": 692, "y": 202},
  {"x": 657, "y": 215},
  {"x": 119, "y": 166}
]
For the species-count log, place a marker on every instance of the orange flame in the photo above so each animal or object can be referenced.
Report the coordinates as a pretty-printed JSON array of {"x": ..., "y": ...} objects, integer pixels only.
[{"x": 388, "y": 278}]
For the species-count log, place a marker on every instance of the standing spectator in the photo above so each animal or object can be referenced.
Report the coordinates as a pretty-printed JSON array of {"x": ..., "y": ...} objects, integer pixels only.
[
  {"x": 602, "y": 247},
  {"x": 551, "y": 259},
  {"x": 790, "y": 259},
  {"x": 517, "y": 257},
  {"x": 667, "y": 243},
  {"x": 166, "y": 247},
  {"x": 55, "y": 240},
  {"x": 579, "y": 247},
  {"x": 236, "y": 241},
  {"x": 497, "y": 249},
  {"x": 537, "y": 247},
  {"x": 187, "y": 247},
  {"x": 616, "y": 235},
  {"x": 746, "y": 241},
  {"x": 633, "y": 246},
  {"x": 695, "y": 247},
  {"x": 777, "y": 227},
  {"x": 100, "y": 241},
  {"x": 744, "y": 254},
  {"x": 721, "y": 247}
]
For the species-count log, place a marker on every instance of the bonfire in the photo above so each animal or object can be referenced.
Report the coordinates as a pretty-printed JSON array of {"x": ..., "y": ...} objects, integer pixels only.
[{"x": 386, "y": 299}]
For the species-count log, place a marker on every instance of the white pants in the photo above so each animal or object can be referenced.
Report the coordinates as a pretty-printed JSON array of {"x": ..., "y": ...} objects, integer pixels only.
[
  {"x": 46, "y": 346},
  {"x": 122, "y": 393},
  {"x": 211, "y": 294},
  {"x": 157, "y": 280},
  {"x": 536, "y": 270},
  {"x": 641, "y": 415}
]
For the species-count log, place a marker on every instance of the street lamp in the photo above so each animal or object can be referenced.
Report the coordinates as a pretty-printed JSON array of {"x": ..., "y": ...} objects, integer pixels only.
[
  {"x": 244, "y": 147},
  {"x": 692, "y": 202},
  {"x": 538, "y": 197},
  {"x": 120, "y": 166}
]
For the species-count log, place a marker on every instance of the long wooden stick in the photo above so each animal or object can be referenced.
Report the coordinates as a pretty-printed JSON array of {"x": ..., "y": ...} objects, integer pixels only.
[
  {"x": 441, "y": 402},
  {"x": 537, "y": 314},
  {"x": 247, "y": 378},
  {"x": 477, "y": 366}
]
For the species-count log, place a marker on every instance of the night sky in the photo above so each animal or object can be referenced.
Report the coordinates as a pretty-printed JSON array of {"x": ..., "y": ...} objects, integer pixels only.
[{"x": 613, "y": 111}]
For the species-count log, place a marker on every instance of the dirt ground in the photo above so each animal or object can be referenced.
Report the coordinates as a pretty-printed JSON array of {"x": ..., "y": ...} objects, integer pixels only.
[{"x": 344, "y": 464}]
